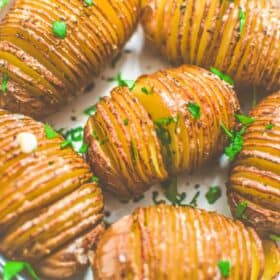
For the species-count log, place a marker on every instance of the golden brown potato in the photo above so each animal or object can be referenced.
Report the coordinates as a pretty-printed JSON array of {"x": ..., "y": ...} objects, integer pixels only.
[
  {"x": 176, "y": 243},
  {"x": 255, "y": 175},
  {"x": 45, "y": 70},
  {"x": 50, "y": 211},
  {"x": 240, "y": 37},
  {"x": 169, "y": 123}
]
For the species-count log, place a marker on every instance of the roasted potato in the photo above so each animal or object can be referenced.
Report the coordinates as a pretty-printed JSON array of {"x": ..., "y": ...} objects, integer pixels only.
[
  {"x": 168, "y": 123},
  {"x": 240, "y": 37},
  {"x": 166, "y": 242},
  {"x": 50, "y": 211},
  {"x": 50, "y": 49},
  {"x": 255, "y": 175}
]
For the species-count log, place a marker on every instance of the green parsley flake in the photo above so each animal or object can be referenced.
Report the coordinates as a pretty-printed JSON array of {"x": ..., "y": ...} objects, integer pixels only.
[
  {"x": 236, "y": 141},
  {"x": 65, "y": 144},
  {"x": 134, "y": 152},
  {"x": 50, "y": 132},
  {"x": 89, "y": 2},
  {"x": 245, "y": 120},
  {"x": 5, "y": 80},
  {"x": 193, "y": 202},
  {"x": 3, "y": 3},
  {"x": 156, "y": 201},
  {"x": 269, "y": 126},
  {"x": 95, "y": 179},
  {"x": 274, "y": 237},
  {"x": 59, "y": 29},
  {"x": 240, "y": 209},
  {"x": 130, "y": 84},
  {"x": 84, "y": 148},
  {"x": 222, "y": 76},
  {"x": 125, "y": 122},
  {"x": 224, "y": 267},
  {"x": 14, "y": 268},
  {"x": 171, "y": 192},
  {"x": 213, "y": 194},
  {"x": 90, "y": 110},
  {"x": 194, "y": 109},
  {"x": 146, "y": 91},
  {"x": 242, "y": 18}
]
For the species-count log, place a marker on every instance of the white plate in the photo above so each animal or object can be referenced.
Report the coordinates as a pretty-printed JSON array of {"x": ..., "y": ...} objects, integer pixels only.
[{"x": 139, "y": 59}]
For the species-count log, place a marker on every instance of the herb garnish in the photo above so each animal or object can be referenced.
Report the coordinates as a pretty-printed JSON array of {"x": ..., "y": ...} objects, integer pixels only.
[
  {"x": 50, "y": 132},
  {"x": 193, "y": 202},
  {"x": 95, "y": 179},
  {"x": 155, "y": 198},
  {"x": 213, "y": 194},
  {"x": 245, "y": 120},
  {"x": 3, "y": 3},
  {"x": 240, "y": 209},
  {"x": 274, "y": 237},
  {"x": 65, "y": 144},
  {"x": 84, "y": 148},
  {"x": 236, "y": 141},
  {"x": 89, "y": 2},
  {"x": 134, "y": 152},
  {"x": 242, "y": 18},
  {"x": 59, "y": 29},
  {"x": 171, "y": 192},
  {"x": 90, "y": 110},
  {"x": 13, "y": 268},
  {"x": 146, "y": 91},
  {"x": 269, "y": 126},
  {"x": 224, "y": 267},
  {"x": 194, "y": 109},
  {"x": 222, "y": 76},
  {"x": 5, "y": 80},
  {"x": 122, "y": 82},
  {"x": 125, "y": 122}
]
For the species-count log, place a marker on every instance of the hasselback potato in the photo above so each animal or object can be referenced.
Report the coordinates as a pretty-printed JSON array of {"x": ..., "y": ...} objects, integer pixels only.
[
  {"x": 50, "y": 49},
  {"x": 50, "y": 211},
  {"x": 165, "y": 242},
  {"x": 255, "y": 175},
  {"x": 168, "y": 123},
  {"x": 240, "y": 37}
]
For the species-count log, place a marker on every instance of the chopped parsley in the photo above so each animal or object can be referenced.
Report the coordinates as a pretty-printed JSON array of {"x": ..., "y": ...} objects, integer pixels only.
[
  {"x": 89, "y": 2},
  {"x": 240, "y": 209},
  {"x": 236, "y": 141},
  {"x": 171, "y": 192},
  {"x": 224, "y": 267},
  {"x": 125, "y": 122},
  {"x": 5, "y": 81},
  {"x": 65, "y": 144},
  {"x": 193, "y": 202},
  {"x": 59, "y": 29},
  {"x": 14, "y": 268},
  {"x": 222, "y": 76},
  {"x": 213, "y": 194},
  {"x": 245, "y": 120},
  {"x": 84, "y": 148},
  {"x": 146, "y": 91},
  {"x": 134, "y": 152},
  {"x": 194, "y": 109},
  {"x": 155, "y": 198},
  {"x": 242, "y": 18},
  {"x": 3, "y": 3},
  {"x": 269, "y": 126},
  {"x": 90, "y": 110},
  {"x": 50, "y": 132},
  {"x": 95, "y": 179},
  {"x": 274, "y": 237},
  {"x": 122, "y": 82}
]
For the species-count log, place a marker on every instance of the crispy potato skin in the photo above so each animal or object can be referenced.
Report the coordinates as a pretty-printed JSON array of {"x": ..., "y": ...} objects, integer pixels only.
[
  {"x": 49, "y": 214},
  {"x": 166, "y": 242},
  {"x": 207, "y": 33},
  {"x": 45, "y": 71},
  {"x": 255, "y": 175},
  {"x": 130, "y": 146}
]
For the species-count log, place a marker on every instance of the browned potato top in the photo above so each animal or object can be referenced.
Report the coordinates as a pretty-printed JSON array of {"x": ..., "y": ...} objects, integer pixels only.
[
  {"x": 255, "y": 176},
  {"x": 167, "y": 124},
  {"x": 240, "y": 37},
  {"x": 181, "y": 243},
  {"x": 45, "y": 70},
  {"x": 50, "y": 212}
]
